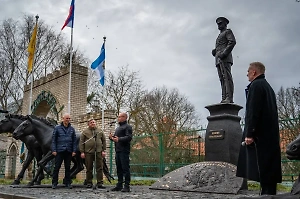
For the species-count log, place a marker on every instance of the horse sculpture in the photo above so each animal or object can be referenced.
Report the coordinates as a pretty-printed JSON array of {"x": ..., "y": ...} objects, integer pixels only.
[
  {"x": 9, "y": 124},
  {"x": 42, "y": 131}
]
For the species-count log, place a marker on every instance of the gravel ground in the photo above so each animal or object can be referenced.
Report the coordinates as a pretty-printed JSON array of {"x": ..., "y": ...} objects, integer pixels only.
[{"x": 80, "y": 192}]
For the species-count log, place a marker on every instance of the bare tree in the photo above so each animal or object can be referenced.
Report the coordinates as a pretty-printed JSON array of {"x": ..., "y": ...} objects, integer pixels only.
[
  {"x": 288, "y": 102},
  {"x": 14, "y": 39},
  {"x": 166, "y": 110},
  {"x": 122, "y": 90},
  {"x": 163, "y": 123}
]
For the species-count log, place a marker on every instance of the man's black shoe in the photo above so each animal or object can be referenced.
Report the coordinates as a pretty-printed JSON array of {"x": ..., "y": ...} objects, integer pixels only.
[
  {"x": 125, "y": 189},
  {"x": 69, "y": 186},
  {"x": 89, "y": 186},
  {"x": 54, "y": 186},
  {"x": 100, "y": 186},
  {"x": 116, "y": 189}
]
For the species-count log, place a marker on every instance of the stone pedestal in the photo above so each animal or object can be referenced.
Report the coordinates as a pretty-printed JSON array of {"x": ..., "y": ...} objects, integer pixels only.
[{"x": 223, "y": 133}]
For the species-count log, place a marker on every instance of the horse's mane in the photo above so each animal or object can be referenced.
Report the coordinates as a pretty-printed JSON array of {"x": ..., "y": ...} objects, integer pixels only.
[
  {"x": 21, "y": 117},
  {"x": 51, "y": 123},
  {"x": 45, "y": 121}
]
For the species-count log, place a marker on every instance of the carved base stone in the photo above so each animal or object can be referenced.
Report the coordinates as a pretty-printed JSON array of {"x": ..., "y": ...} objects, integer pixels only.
[
  {"x": 206, "y": 177},
  {"x": 223, "y": 133}
]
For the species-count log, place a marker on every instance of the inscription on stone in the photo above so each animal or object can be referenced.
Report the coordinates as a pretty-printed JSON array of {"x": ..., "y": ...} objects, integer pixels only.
[{"x": 216, "y": 134}]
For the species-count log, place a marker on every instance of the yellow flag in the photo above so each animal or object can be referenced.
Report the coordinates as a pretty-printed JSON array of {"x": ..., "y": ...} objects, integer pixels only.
[{"x": 31, "y": 48}]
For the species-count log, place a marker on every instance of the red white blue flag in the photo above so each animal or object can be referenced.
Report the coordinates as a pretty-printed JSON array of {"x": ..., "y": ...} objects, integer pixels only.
[{"x": 70, "y": 19}]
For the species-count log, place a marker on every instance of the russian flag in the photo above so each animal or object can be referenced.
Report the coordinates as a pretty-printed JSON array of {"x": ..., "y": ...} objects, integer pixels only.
[
  {"x": 99, "y": 65},
  {"x": 70, "y": 19}
]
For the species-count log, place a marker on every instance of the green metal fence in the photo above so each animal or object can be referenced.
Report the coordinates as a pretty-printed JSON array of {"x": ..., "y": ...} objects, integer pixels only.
[{"x": 152, "y": 156}]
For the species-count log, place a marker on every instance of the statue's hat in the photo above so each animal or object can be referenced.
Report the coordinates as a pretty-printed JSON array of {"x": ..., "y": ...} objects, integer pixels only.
[{"x": 222, "y": 19}]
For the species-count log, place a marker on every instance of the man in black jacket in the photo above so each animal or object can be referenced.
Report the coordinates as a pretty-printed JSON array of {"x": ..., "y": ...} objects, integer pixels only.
[
  {"x": 259, "y": 159},
  {"x": 122, "y": 138},
  {"x": 63, "y": 148}
]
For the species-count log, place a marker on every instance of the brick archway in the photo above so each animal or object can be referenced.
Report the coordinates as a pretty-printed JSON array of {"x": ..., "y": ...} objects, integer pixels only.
[
  {"x": 50, "y": 93},
  {"x": 11, "y": 161}
]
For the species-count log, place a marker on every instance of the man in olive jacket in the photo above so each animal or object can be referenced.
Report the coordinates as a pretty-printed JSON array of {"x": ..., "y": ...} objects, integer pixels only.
[
  {"x": 259, "y": 158},
  {"x": 92, "y": 143}
]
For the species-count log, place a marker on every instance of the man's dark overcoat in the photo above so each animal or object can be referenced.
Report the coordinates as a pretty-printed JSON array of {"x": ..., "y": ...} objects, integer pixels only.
[{"x": 261, "y": 123}]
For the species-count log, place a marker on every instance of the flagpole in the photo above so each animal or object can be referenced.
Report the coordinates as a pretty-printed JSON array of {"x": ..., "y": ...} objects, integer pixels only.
[
  {"x": 70, "y": 75},
  {"x": 103, "y": 92},
  {"x": 31, "y": 84}
]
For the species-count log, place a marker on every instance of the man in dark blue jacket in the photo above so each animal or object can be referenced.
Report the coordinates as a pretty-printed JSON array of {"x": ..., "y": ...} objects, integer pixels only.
[
  {"x": 63, "y": 148},
  {"x": 122, "y": 138}
]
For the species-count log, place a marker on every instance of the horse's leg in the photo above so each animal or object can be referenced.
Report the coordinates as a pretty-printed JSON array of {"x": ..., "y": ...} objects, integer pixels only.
[
  {"x": 79, "y": 166},
  {"x": 38, "y": 156},
  {"x": 25, "y": 165},
  {"x": 74, "y": 165},
  {"x": 73, "y": 169},
  {"x": 41, "y": 164}
]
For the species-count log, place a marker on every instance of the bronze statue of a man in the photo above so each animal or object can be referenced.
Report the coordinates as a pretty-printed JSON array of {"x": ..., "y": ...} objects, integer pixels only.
[{"x": 225, "y": 43}]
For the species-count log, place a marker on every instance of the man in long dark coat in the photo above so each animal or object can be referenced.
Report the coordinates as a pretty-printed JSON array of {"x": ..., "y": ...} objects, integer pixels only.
[{"x": 259, "y": 158}]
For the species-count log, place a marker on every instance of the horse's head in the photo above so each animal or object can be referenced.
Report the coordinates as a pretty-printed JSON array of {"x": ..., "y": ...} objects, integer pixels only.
[
  {"x": 6, "y": 125},
  {"x": 24, "y": 129},
  {"x": 11, "y": 122},
  {"x": 293, "y": 149}
]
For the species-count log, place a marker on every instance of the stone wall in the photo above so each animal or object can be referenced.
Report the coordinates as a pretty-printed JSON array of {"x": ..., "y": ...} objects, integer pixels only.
[{"x": 57, "y": 83}]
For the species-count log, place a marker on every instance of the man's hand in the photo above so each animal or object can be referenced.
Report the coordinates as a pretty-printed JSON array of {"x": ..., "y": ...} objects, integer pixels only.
[
  {"x": 103, "y": 154},
  {"x": 73, "y": 154},
  {"x": 82, "y": 155},
  {"x": 115, "y": 139},
  {"x": 54, "y": 153},
  {"x": 249, "y": 140}
]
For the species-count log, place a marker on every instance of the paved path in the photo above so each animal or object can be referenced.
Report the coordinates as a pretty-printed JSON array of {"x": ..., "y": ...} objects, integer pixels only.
[{"x": 138, "y": 192}]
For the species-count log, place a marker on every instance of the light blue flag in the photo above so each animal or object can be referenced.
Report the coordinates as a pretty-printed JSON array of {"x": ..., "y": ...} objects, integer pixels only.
[
  {"x": 22, "y": 151},
  {"x": 99, "y": 65}
]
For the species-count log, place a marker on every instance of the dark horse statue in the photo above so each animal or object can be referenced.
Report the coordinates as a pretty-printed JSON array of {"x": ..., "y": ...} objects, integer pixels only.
[
  {"x": 9, "y": 124},
  {"x": 293, "y": 153},
  {"x": 42, "y": 130}
]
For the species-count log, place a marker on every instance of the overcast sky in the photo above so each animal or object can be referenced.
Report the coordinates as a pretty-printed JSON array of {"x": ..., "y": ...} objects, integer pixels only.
[{"x": 170, "y": 41}]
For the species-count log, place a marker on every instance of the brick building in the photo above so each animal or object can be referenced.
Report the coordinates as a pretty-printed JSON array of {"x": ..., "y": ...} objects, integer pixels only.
[{"x": 50, "y": 99}]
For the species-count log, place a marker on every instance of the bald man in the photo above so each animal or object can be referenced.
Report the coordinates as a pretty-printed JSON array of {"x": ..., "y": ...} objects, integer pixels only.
[
  {"x": 63, "y": 148},
  {"x": 122, "y": 138}
]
